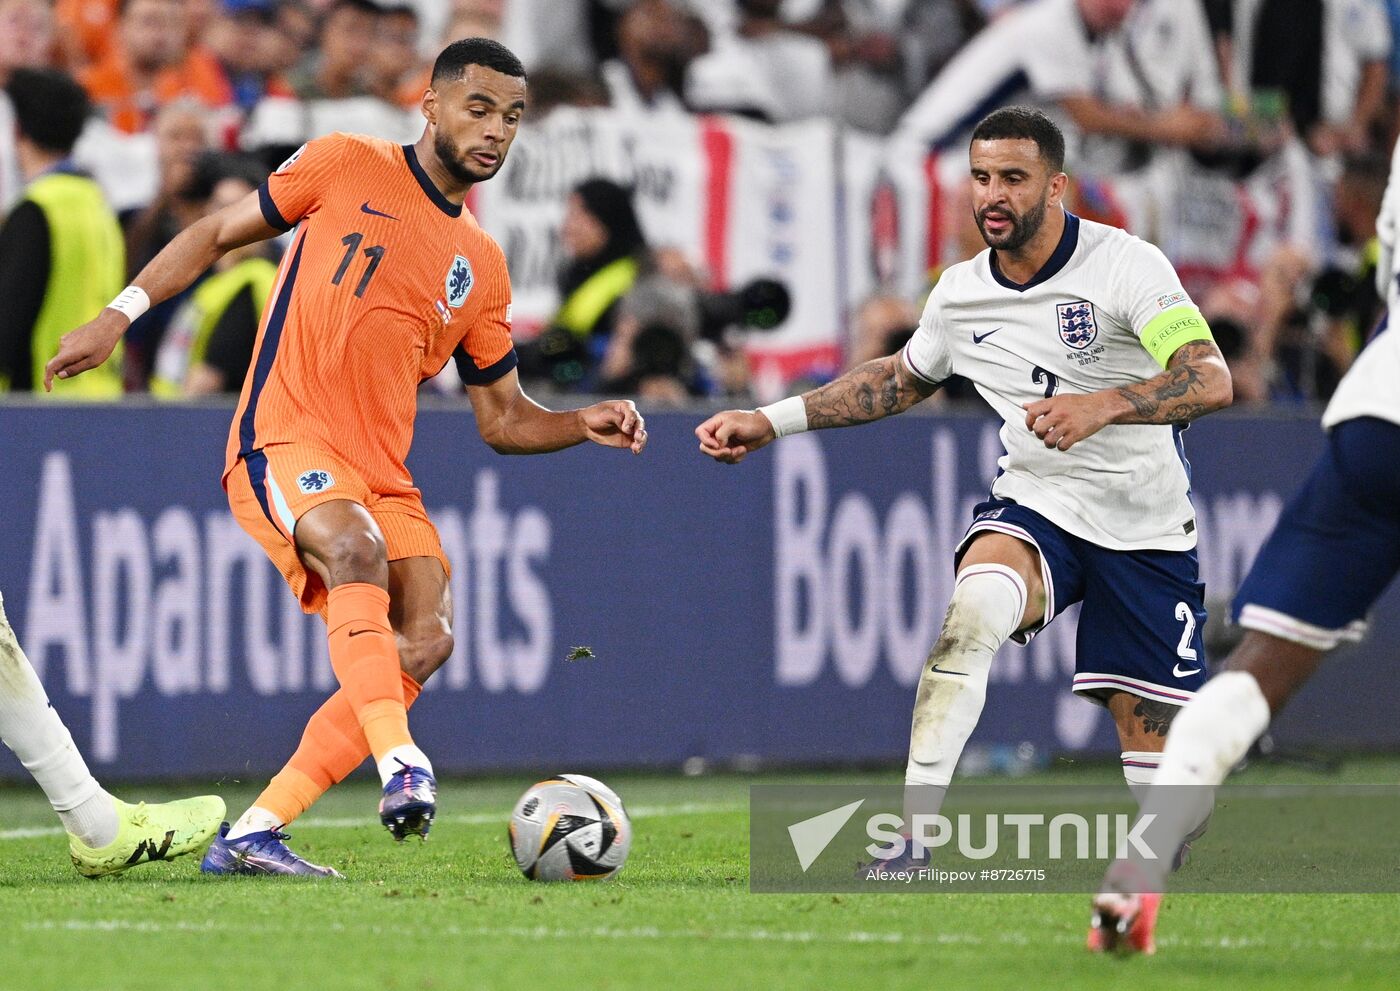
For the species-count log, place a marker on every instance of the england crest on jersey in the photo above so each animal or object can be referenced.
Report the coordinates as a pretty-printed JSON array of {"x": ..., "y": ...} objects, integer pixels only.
[
  {"x": 459, "y": 281},
  {"x": 1076, "y": 323}
]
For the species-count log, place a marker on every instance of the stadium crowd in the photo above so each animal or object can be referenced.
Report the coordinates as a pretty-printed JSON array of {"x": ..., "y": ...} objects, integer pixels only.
[{"x": 191, "y": 102}]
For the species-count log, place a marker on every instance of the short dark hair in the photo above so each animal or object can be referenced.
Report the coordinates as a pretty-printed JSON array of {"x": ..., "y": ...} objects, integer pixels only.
[
  {"x": 455, "y": 58},
  {"x": 1028, "y": 123},
  {"x": 51, "y": 109}
]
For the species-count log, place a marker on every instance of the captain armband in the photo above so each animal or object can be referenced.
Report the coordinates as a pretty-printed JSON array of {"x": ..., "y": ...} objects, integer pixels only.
[{"x": 1168, "y": 331}]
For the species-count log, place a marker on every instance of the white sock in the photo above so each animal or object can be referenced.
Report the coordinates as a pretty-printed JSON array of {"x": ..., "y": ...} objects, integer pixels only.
[
  {"x": 31, "y": 728},
  {"x": 94, "y": 821},
  {"x": 1209, "y": 737},
  {"x": 1139, "y": 769},
  {"x": 1214, "y": 732},
  {"x": 256, "y": 820},
  {"x": 409, "y": 754},
  {"x": 988, "y": 603}
]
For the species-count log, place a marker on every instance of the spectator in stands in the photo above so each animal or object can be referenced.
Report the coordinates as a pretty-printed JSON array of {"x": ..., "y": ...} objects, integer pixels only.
[
  {"x": 61, "y": 257},
  {"x": 294, "y": 33},
  {"x": 26, "y": 38},
  {"x": 243, "y": 39},
  {"x": 1328, "y": 59},
  {"x": 868, "y": 55},
  {"x": 882, "y": 325},
  {"x": 477, "y": 19},
  {"x": 764, "y": 69},
  {"x": 1232, "y": 307},
  {"x": 650, "y": 353},
  {"x": 151, "y": 64},
  {"x": 1055, "y": 52},
  {"x": 656, "y": 44},
  {"x": 341, "y": 66},
  {"x": 88, "y": 30},
  {"x": 550, "y": 89},
  {"x": 932, "y": 33},
  {"x": 395, "y": 69},
  {"x": 605, "y": 251},
  {"x": 182, "y": 133},
  {"x": 209, "y": 344},
  {"x": 550, "y": 34}
]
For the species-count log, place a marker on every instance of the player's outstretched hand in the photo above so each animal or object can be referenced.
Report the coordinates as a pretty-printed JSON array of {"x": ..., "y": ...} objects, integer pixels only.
[
  {"x": 615, "y": 423},
  {"x": 1063, "y": 421},
  {"x": 86, "y": 347},
  {"x": 730, "y": 435}
]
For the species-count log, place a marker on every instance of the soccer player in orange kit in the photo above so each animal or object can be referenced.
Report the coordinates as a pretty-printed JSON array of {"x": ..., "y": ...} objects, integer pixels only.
[{"x": 386, "y": 276}]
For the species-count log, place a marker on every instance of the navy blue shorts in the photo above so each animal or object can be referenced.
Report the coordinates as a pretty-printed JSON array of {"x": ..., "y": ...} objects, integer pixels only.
[
  {"x": 1143, "y": 614},
  {"x": 1336, "y": 545}
]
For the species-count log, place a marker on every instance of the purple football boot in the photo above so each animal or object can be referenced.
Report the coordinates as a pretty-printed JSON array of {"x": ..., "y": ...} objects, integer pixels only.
[
  {"x": 264, "y": 852},
  {"x": 914, "y": 858},
  {"x": 409, "y": 802}
]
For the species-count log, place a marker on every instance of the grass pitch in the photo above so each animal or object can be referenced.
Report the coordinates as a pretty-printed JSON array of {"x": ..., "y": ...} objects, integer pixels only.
[{"x": 455, "y": 913}]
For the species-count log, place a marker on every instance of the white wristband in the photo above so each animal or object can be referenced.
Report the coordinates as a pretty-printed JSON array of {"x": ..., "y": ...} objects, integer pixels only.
[
  {"x": 131, "y": 302},
  {"x": 788, "y": 416}
]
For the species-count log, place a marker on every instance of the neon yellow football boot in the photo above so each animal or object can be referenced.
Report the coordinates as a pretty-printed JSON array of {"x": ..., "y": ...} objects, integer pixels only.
[{"x": 151, "y": 832}]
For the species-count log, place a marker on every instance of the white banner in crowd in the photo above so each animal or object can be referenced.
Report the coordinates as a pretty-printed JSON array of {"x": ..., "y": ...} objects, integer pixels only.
[
  {"x": 741, "y": 200},
  {"x": 837, "y": 216}
]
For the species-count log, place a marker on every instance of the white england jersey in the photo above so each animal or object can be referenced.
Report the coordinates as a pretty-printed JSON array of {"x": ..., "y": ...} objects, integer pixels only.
[
  {"x": 1371, "y": 387},
  {"x": 1093, "y": 318}
]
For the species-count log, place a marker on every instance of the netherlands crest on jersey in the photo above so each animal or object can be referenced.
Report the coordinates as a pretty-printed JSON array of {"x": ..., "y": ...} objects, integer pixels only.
[
  {"x": 459, "y": 281},
  {"x": 314, "y": 481},
  {"x": 1076, "y": 323}
]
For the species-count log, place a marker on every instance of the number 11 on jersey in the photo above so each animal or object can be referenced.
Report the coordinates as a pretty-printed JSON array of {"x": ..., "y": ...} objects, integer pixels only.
[{"x": 352, "y": 245}]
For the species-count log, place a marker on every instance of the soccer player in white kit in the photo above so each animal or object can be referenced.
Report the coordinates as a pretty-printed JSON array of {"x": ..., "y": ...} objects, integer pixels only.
[
  {"x": 1334, "y": 550},
  {"x": 105, "y": 836},
  {"x": 1083, "y": 340}
]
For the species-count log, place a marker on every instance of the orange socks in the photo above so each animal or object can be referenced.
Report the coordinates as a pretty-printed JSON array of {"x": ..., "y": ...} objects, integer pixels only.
[
  {"x": 366, "y": 662},
  {"x": 332, "y": 746}
]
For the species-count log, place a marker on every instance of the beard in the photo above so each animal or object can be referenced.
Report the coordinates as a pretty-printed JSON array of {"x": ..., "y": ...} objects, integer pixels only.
[
  {"x": 1023, "y": 227},
  {"x": 461, "y": 171}
]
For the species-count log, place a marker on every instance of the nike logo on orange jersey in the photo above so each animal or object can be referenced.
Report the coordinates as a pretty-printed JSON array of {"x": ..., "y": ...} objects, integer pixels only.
[{"x": 365, "y": 208}]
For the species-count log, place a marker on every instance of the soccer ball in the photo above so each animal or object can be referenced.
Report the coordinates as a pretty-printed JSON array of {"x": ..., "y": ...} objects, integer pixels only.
[{"x": 570, "y": 828}]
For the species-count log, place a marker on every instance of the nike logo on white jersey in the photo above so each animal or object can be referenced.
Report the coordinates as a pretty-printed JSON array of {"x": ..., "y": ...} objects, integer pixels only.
[
  {"x": 979, "y": 338},
  {"x": 1176, "y": 670}
]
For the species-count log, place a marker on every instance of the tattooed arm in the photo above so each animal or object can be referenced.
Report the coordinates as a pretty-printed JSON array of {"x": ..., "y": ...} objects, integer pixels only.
[
  {"x": 874, "y": 390},
  {"x": 1195, "y": 382}
]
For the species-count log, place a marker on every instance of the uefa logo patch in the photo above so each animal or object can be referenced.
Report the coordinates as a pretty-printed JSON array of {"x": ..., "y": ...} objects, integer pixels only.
[
  {"x": 1076, "y": 324},
  {"x": 317, "y": 480},
  {"x": 459, "y": 281}
]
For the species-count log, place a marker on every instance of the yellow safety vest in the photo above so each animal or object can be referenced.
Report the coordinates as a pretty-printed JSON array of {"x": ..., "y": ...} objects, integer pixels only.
[
  {"x": 587, "y": 304},
  {"x": 187, "y": 338},
  {"x": 87, "y": 268}
]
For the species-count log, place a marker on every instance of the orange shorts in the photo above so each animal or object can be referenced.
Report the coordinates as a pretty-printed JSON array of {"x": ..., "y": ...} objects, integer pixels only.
[{"x": 272, "y": 488}]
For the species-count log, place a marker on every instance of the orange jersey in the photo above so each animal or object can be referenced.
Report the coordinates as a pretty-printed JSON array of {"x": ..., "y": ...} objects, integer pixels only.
[{"x": 383, "y": 280}]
